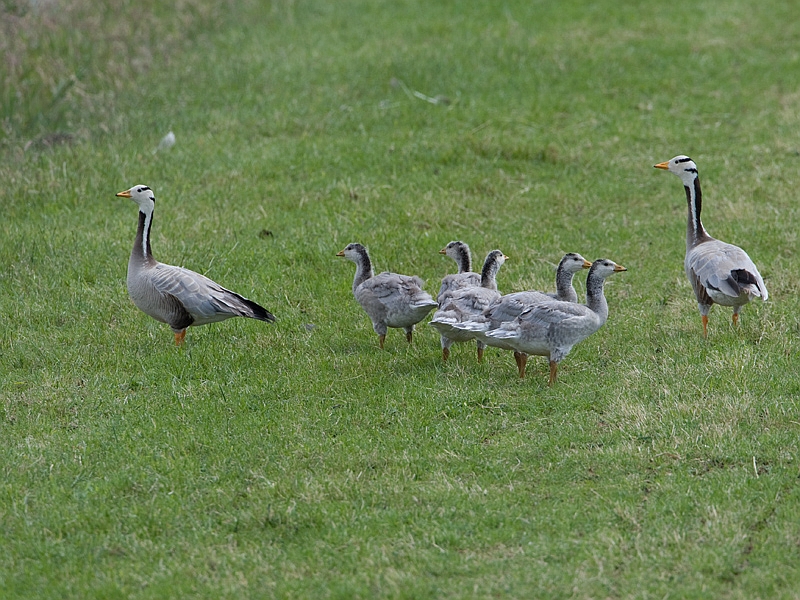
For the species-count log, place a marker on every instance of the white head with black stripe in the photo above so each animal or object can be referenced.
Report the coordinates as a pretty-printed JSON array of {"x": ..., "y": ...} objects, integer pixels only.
[
  {"x": 682, "y": 166},
  {"x": 143, "y": 196}
]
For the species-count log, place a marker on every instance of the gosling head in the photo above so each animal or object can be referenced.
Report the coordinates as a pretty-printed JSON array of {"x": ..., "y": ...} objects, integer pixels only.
[
  {"x": 603, "y": 267},
  {"x": 354, "y": 252},
  {"x": 573, "y": 262}
]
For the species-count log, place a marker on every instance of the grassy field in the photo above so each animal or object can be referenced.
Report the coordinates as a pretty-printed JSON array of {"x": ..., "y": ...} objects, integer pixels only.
[{"x": 298, "y": 460}]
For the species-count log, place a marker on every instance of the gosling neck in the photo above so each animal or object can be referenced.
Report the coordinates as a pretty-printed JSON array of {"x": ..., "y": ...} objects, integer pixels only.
[
  {"x": 363, "y": 267},
  {"x": 564, "y": 287},
  {"x": 489, "y": 272},
  {"x": 463, "y": 259},
  {"x": 595, "y": 297}
]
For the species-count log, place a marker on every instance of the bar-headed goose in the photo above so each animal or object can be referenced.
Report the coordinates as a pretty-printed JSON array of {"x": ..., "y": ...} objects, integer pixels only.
[
  {"x": 552, "y": 327},
  {"x": 509, "y": 307},
  {"x": 389, "y": 299},
  {"x": 174, "y": 295},
  {"x": 719, "y": 273},
  {"x": 466, "y": 303},
  {"x": 459, "y": 252}
]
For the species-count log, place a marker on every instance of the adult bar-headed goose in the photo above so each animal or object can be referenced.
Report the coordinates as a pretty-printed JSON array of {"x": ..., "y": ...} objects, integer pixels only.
[
  {"x": 174, "y": 295},
  {"x": 466, "y": 303},
  {"x": 509, "y": 307},
  {"x": 552, "y": 327},
  {"x": 459, "y": 252},
  {"x": 389, "y": 299},
  {"x": 719, "y": 273}
]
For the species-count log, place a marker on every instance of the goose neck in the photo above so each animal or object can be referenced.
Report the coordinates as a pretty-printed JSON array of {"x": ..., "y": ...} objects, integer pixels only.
[
  {"x": 595, "y": 296},
  {"x": 141, "y": 246},
  {"x": 463, "y": 259},
  {"x": 564, "y": 287},
  {"x": 695, "y": 232},
  {"x": 363, "y": 268},
  {"x": 489, "y": 274}
]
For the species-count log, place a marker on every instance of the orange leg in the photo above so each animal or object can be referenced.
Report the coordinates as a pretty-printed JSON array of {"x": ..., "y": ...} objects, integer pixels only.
[
  {"x": 179, "y": 337},
  {"x": 553, "y": 372},
  {"x": 735, "y": 318},
  {"x": 480, "y": 354},
  {"x": 381, "y": 339},
  {"x": 705, "y": 326},
  {"x": 522, "y": 360}
]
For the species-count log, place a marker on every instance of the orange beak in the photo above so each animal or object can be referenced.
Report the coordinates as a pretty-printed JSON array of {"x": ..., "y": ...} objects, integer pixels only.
[
  {"x": 125, "y": 194},
  {"x": 619, "y": 268},
  {"x": 663, "y": 165},
  {"x": 586, "y": 264},
  {"x": 340, "y": 253}
]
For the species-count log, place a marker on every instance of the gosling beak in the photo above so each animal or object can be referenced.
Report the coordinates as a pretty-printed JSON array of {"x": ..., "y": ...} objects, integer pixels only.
[
  {"x": 340, "y": 253},
  {"x": 586, "y": 264},
  {"x": 664, "y": 165},
  {"x": 618, "y": 268},
  {"x": 125, "y": 194},
  {"x": 506, "y": 257},
  {"x": 443, "y": 251}
]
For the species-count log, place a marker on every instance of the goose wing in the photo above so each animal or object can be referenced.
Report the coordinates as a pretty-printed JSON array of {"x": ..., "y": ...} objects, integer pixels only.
[
  {"x": 509, "y": 307},
  {"x": 462, "y": 306},
  {"x": 721, "y": 268},
  {"x": 397, "y": 299},
  {"x": 456, "y": 281},
  {"x": 205, "y": 300},
  {"x": 548, "y": 327}
]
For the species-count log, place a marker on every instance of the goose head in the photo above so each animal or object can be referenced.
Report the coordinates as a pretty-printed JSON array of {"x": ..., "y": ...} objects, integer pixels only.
[
  {"x": 682, "y": 166},
  {"x": 602, "y": 268},
  {"x": 454, "y": 249},
  {"x": 573, "y": 262},
  {"x": 143, "y": 196},
  {"x": 355, "y": 252},
  {"x": 496, "y": 257},
  {"x": 460, "y": 253}
]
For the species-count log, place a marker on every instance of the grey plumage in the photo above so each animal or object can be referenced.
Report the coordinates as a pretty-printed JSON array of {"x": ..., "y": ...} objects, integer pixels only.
[
  {"x": 552, "y": 327},
  {"x": 389, "y": 299},
  {"x": 174, "y": 295},
  {"x": 510, "y": 306},
  {"x": 459, "y": 252},
  {"x": 720, "y": 273},
  {"x": 463, "y": 304}
]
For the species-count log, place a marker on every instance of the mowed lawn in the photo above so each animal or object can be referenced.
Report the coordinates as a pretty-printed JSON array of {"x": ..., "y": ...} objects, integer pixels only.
[{"x": 298, "y": 460}]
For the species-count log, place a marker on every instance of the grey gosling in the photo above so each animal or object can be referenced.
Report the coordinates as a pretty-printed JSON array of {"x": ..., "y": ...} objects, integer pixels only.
[
  {"x": 463, "y": 304},
  {"x": 552, "y": 327},
  {"x": 389, "y": 299}
]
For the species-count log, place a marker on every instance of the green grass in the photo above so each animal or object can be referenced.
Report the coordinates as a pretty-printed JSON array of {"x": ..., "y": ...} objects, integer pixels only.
[{"x": 292, "y": 461}]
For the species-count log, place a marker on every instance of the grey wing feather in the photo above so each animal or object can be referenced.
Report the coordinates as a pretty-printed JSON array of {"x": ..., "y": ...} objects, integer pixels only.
[
  {"x": 555, "y": 312},
  {"x": 462, "y": 306},
  {"x": 716, "y": 265},
  {"x": 456, "y": 281},
  {"x": 399, "y": 300},
  {"x": 205, "y": 300},
  {"x": 510, "y": 306}
]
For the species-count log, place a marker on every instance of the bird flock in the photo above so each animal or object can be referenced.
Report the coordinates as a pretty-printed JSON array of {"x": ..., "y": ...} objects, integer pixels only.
[{"x": 468, "y": 305}]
